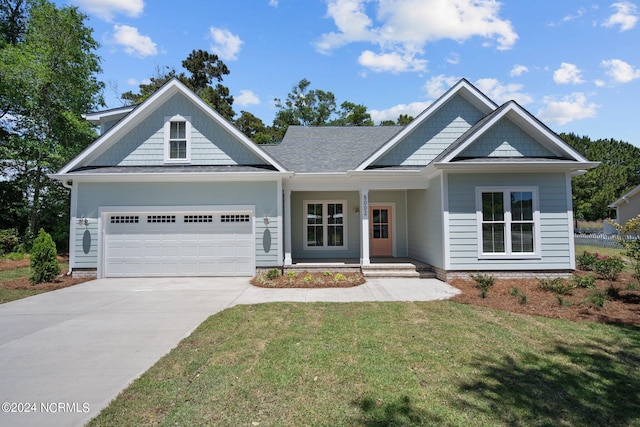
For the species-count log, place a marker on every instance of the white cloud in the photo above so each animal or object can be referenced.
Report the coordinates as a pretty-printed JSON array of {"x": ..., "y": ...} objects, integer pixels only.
[
  {"x": 578, "y": 14},
  {"x": 453, "y": 58},
  {"x": 600, "y": 83},
  {"x": 501, "y": 93},
  {"x": 569, "y": 108},
  {"x": 392, "y": 113},
  {"x": 106, "y": 9},
  {"x": 392, "y": 62},
  {"x": 403, "y": 27},
  {"x": 626, "y": 16},
  {"x": 135, "y": 82},
  {"x": 273, "y": 3},
  {"x": 567, "y": 73},
  {"x": 438, "y": 85},
  {"x": 225, "y": 44},
  {"x": 620, "y": 71},
  {"x": 133, "y": 42},
  {"x": 247, "y": 97},
  {"x": 518, "y": 70}
]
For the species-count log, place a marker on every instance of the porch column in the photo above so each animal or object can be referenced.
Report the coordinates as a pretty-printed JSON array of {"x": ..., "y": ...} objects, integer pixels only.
[
  {"x": 287, "y": 228},
  {"x": 364, "y": 227}
]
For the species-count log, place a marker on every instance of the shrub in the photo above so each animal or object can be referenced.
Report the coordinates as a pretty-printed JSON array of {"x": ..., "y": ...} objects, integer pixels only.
[
  {"x": 291, "y": 274},
  {"x": 587, "y": 282},
  {"x": 608, "y": 268},
  {"x": 522, "y": 299},
  {"x": 483, "y": 282},
  {"x": 327, "y": 273},
  {"x": 586, "y": 260},
  {"x": 273, "y": 274},
  {"x": 628, "y": 236},
  {"x": 44, "y": 263},
  {"x": 613, "y": 292},
  {"x": 308, "y": 278},
  {"x": 556, "y": 285},
  {"x": 562, "y": 302},
  {"x": 339, "y": 277},
  {"x": 597, "y": 299},
  {"x": 633, "y": 286},
  {"x": 9, "y": 240},
  {"x": 514, "y": 292}
]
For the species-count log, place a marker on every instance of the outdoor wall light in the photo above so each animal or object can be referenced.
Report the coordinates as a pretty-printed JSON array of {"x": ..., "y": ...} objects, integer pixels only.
[
  {"x": 356, "y": 210},
  {"x": 266, "y": 220},
  {"x": 83, "y": 221}
]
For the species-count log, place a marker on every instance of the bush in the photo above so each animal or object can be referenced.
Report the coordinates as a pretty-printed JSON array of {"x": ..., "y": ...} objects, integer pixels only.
[
  {"x": 44, "y": 263},
  {"x": 339, "y": 277},
  {"x": 556, "y": 285},
  {"x": 597, "y": 299},
  {"x": 586, "y": 260},
  {"x": 608, "y": 268},
  {"x": 273, "y": 274},
  {"x": 483, "y": 282},
  {"x": 587, "y": 282},
  {"x": 9, "y": 240}
]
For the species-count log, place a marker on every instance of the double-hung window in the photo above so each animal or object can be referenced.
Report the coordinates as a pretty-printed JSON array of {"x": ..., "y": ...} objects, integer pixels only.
[
  {"x": 325, "y": 225},
  {"x": 508, "y": 222},
  {"x": 177, "y": 139}
]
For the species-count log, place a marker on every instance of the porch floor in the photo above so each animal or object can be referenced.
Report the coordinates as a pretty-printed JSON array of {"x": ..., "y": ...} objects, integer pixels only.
[{"x": 379, "y": 267}]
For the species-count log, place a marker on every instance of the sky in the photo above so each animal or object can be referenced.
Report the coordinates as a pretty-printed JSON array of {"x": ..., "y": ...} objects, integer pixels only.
[{"x": 573, "y": 64}]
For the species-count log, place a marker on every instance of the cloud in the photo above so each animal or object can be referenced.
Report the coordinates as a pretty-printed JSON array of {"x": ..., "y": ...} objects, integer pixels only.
[
  {"x": 567, "y": 73},
  {"x": 518, "y": 70},
  {"x": 626, "y": 16},
  {"x": 131, "y": 81},
  {"x": 247, "y": 97},
  {"x": 392, "y": 62},
  {"x": 225, "y": 44},
  {"x": 438, "y": 85},
  {"x": 392, "y": 113},
  {"x": 453, "y": 58},
  {"x": 273, "y": 3},
  {"x": 569, "y": 108},
  {"x": 620, "y": 71},
  {"x": 134, "y": 43},
  {"x": 403, "y": 27},
  {"x": 501, "y": 93},
  {"x": 106, "y": 9}
]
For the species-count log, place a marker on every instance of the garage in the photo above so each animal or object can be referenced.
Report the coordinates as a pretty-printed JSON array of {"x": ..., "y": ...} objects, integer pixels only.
[{"x": 160, "y": 244}]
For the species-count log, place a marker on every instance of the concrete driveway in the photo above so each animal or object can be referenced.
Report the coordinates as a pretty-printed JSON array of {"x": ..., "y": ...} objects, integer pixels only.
[{"x": 64, "y": 355}]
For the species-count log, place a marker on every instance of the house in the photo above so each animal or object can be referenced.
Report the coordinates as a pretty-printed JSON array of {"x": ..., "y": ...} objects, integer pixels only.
[
  {"x": 627, "y": 206},
  {"x": 170, "y": 188}
]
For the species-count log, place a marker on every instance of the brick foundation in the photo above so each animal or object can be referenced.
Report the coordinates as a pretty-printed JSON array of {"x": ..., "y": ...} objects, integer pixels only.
[{"x": 83, "y": 273}]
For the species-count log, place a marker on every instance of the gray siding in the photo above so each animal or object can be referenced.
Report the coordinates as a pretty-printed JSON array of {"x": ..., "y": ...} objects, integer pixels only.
[
  {"x": 211, "y": 144},
  {"x": 425, "y": 222},
  {"x": 262, "y": 195},
  {"x": 429, "y": 139},
  {"x": 554, "y": 229},
  {"x": 505, "y": 139}
]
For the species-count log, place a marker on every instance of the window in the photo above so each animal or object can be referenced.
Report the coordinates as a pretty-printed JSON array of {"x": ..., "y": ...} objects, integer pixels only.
[
  {"x": 508, "y": 222},
  {"x": 325, "y": 226},
  {"x": 124, "y": 219},
  {"x": 160, "y": 218},
  {"x": 177, "y": 131},
  {"x": 235, "y": 218}
]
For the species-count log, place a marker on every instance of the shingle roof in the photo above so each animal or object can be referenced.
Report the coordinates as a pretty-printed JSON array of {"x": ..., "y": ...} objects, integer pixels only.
[{"x": 308, "y": 149}]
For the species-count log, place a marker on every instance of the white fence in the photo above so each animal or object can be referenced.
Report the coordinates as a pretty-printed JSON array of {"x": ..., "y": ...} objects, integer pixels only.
[{"x": 597, "y": 239}]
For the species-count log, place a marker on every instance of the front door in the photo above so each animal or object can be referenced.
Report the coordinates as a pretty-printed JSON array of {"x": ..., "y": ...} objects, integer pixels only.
[{"x": 380, "y": 231}]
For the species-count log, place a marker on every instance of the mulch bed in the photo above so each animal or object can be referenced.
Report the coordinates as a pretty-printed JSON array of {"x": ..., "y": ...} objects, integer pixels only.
[
  {"x": 62, "y": 281},
  {"x": 621, "y": 309},
  {"x": 307, "y": 279}
]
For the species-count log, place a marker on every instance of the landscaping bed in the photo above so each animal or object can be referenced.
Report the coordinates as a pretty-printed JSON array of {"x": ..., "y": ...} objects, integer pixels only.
[{"x": 306, "y": 279}]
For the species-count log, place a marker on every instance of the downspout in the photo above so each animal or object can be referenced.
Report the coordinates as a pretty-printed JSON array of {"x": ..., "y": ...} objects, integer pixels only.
[{"x": 69, "y": 184}]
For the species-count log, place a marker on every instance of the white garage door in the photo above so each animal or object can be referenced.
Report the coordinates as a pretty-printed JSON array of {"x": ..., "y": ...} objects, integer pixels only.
[{"x": 179, "y": 244}]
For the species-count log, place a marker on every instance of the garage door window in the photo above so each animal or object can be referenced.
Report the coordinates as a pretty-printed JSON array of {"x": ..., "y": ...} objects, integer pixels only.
[
  {"x": 161, "y": 218},
  {"x": 124, "y": 219},
  {"x": 234, "y": 218},
  {"x": 198, "y": 218}
]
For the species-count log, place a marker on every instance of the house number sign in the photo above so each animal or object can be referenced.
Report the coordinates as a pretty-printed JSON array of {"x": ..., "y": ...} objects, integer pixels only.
[{"x": 365, "y": 207}]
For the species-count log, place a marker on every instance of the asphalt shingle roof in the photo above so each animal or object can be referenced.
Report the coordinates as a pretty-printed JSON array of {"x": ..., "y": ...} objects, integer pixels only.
[{"x": 307, "y": 149}]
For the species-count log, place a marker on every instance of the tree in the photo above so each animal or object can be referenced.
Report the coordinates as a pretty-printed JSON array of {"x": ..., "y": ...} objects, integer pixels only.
[
  {"x": 250, "y": 125},
  {"x": 353, "y": 115},
  {"x": 618, "y": 172},
  {"x": 48, "y": 80},
  {"x": 13, "y": 16},
  {"x": 404, "y": 119},
  {"x": 203, "y": 69},
  {"x": 44, "y": 261}
]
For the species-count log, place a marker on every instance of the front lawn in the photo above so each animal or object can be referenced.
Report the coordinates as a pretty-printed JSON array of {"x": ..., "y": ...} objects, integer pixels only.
[{"x": 379, "y": 364}]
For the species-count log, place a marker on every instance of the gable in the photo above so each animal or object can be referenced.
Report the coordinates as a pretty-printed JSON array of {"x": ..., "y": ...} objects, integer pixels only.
[
  {"x": 505, "y": 139},
  {"x": 433, "y": 135},
  {"x": 211, "y": 144}
]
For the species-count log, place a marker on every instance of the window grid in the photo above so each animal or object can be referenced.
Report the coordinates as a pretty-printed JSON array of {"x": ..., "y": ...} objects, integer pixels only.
[
  {"x": 235, "y": 218},
  {"x": 161, "y": 218},
  {"x": 124, "y": 219},
  {"x": 325, "y": 225},
  {"x": 198, "y": 218},
  {"x": 178, "y": 140}
]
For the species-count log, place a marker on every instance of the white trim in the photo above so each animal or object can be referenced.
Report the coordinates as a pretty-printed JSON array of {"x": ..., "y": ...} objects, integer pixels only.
[
  {"x": 103, "y": 211},
  {"x": 365, "y": 257},
  {"x": 393, "y": 224},
  {"x": 325, "y": 226},
  {"x": 446, "y": 247},
  {"x": 167, "y": 138},
  {"x": 73, "y": 219},
  {"x": 625, "y": 197},
  {"x": 288, "y": 260},
  {"x": 509, "y": 254},
  {"x": 502, "y": 166},
  {"x": 572, "y": 246},
  {"x": 279, "y": 221}
]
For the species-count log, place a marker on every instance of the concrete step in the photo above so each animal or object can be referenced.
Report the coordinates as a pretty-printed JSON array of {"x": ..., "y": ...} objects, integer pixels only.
[{"x": 390, "y": 273}]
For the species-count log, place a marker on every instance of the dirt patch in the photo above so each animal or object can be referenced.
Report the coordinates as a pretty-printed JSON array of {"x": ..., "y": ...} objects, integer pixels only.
[
  {"x": 10, "y": 264},
  {"x": 622, "y": 304},
  {"x": 62, "y": 281},
  {"x": 307, "y": 279}
]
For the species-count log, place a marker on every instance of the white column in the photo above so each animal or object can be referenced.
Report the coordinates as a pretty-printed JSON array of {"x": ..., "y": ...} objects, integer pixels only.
[
  {"x": 287, "y": 228},
  {"x": 364, "y": 227}
]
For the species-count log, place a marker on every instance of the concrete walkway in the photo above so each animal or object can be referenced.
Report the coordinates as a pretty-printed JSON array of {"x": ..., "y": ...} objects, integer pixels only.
[{"x": 64, "y": 355}]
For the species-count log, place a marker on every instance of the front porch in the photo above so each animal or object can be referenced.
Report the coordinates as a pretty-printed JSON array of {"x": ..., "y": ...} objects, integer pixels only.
[{"x": 377, "y": 267}]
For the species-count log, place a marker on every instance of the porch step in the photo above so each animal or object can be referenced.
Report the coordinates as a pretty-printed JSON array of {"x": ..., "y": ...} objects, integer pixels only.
[{"x": 420, "y": 270}]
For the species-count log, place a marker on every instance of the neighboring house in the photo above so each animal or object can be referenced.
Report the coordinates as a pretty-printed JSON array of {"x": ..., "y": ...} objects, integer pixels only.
[
  {"x": 627, "y": 206},
  {"x": 170, "y": 188}
]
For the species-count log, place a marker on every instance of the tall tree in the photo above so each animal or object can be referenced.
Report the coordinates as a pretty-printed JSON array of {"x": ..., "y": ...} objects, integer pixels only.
[
  {"x": 13, "y": 17},
  {"x": 49, "y": 79},
  {"x": 353, "y": 115},
  {"x": 205, "y": 72}
]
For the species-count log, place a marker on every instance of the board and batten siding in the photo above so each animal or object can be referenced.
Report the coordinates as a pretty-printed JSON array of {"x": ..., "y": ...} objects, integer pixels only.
[
  {"x": 211, "y": 144},
  {"x": 262, "y": 195},
  {"x": 425, "y": 222},
  {"x": 554, "y": 221},
  {"x": 429, "y": 139}
]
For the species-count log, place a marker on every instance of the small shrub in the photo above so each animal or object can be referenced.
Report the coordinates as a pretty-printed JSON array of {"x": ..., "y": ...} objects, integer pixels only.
[
  {"x": 339, "y": 277},
  {"x": 522, "y": 299},
  {"x": 633, "y": 286},
  {"x": 16, "y": 256},
  {"x": 327, "y": 273},
  {"x": 483, "y": 282},
  {"x": 556, "y": 285},
  {"x": 291, "y": 274},
  {"x": 308, "y": 278},
  {"x": 562, "y": 302},
  {"x": 608, "y": 268},
  {"x": 514, "y": 292},
  {"x": 613, "y": 292},
  {"x": 44, "y": 262},
  {"x": 587, "y": 281},
  {"x": 273, "y": 274},
  {"x": 9, "y": 241},
  {"x": 585, "y": 260},
  {"x": 597, "y": 299}
]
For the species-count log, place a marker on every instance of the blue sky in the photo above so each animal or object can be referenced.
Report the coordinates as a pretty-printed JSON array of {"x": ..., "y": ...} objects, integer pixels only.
[{"x": 573, "y": 64}]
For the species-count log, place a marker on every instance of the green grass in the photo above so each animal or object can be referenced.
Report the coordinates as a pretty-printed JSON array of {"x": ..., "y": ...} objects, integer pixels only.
[
  {"x": 7, "y": 295},
  {"x": 379, "y": 364}
]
